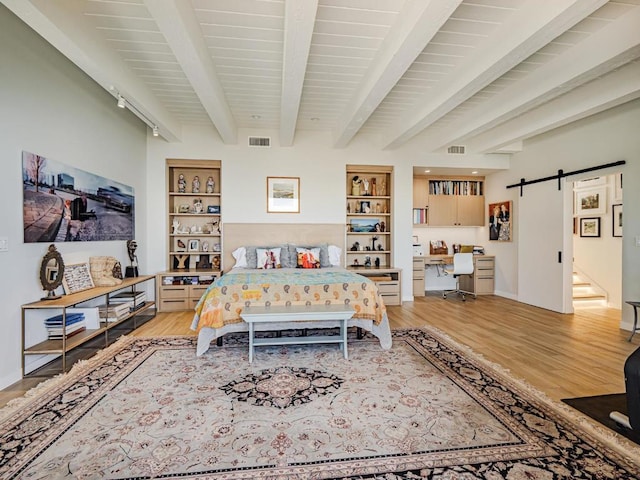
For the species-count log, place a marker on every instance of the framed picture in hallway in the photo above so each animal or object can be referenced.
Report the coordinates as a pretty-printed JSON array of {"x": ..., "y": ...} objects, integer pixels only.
[
  {"x": 500, "y": 221},
  {"x": 592, "y": 201},
  {"x": 616, "y": 217},
  {"x": 590, "y": 227}
]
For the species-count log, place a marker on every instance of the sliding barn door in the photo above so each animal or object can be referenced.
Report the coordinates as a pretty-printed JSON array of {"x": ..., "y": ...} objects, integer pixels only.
[{"x": 544, "y": 252}]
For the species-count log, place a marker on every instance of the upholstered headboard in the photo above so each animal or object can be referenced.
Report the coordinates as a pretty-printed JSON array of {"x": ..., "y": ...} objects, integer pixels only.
[{"x": 236, "y": 235}]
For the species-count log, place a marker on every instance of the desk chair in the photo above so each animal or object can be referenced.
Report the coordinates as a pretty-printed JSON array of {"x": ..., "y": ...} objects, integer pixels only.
[{"x": 462, "y": 265}]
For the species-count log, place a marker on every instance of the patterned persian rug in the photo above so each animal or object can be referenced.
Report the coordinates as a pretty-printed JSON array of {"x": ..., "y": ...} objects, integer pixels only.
[{"x": 428, "y": 408}]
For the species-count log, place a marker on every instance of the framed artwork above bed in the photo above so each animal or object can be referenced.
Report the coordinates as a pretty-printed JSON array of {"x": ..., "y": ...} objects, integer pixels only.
[{"x": 283, "y": 194}]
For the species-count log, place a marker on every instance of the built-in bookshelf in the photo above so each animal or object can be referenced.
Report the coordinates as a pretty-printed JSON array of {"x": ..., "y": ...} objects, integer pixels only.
[{"x": 446, "y": 201}]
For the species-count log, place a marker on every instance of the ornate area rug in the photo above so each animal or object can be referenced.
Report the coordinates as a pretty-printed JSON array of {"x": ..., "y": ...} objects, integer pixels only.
[{"x": 427, "y": 408}]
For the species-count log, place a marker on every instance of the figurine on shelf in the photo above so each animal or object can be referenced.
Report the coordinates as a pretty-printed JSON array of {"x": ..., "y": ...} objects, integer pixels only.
[
  {"x": 182, "y": 184},
  {"x": 374, "y": 239},
  {"x": 382, "y": 191},
  {"x": 216, "y": 262},
  {"x": 365, "y": 184},
  {"x": 195, "y": 185},
  {"x": 211, "y": 185},
  {"x": 383, "y": 227},
  {"x": 176, "y": 226},
  {"x": 377, "y": 262},
  {"x": 373, "y": 187},
  {"x": 355, "y": 247},
  {"x": 355, "y": 186},
  {"x": 367, "y": 261},
  {"x": 197, "y": 205}
]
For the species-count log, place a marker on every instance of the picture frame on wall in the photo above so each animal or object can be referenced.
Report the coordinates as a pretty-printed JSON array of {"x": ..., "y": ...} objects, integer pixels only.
[
  {"x": 617, "y": 184},
  {"x": 283, "y": 194},
  {"x": 592, "y": 201},
  {"x": 500, "y": 221},
  {"x": 590, "y": 227},
  {"x": 616, "y": 219},
  {"x": 591, "y": 182}
]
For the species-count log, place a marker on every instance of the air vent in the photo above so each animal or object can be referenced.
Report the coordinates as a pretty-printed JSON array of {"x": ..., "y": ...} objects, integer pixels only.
[
  {"x": 456, "y": 149},
  {"x": 259, "y": 141}
]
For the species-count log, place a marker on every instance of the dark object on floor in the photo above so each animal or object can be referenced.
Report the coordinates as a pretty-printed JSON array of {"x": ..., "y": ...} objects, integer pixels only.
[
  {"x": 631, "y": 419},
  {"x": 598, "y": 408}
]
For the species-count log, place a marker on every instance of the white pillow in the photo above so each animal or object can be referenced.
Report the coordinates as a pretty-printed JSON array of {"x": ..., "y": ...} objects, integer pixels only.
[
  {"x": 335, "y": 255},
  {"x": 268, "y": 258},
  {"x": 240, "y": 254}
]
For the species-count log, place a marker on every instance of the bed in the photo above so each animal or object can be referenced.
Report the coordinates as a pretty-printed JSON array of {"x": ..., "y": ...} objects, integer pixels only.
[{"x": 218, "y": 311}]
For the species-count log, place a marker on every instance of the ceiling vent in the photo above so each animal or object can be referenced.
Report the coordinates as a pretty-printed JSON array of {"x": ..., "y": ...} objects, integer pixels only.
[
  {"x": 259, "y": 141},
  {"x": 456, "y": 149}
]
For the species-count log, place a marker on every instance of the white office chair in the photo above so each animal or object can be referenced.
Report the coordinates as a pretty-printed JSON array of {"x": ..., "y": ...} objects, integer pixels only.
[{"x": 462, "y": 265}]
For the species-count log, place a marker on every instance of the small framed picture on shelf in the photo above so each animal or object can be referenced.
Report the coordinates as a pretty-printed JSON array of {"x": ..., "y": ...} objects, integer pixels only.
[
  {"x": 194, "y": 245},
  {"x": 213, "y": 209},
  {"x": 77, "y": 278},
  {"x": 590, "y": 227},
  {"x": 365, "y": 206},
  {"x": 616, "y": 214}
]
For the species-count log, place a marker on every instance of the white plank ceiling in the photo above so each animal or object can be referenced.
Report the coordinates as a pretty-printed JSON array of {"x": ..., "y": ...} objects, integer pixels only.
[{"x": 487, "y": 74}]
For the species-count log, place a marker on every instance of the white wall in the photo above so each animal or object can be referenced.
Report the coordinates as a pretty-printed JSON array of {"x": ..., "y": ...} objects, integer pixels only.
[
  {"x": 51, "y": 108},
  {"x": 603, "y": 138},
  {"x": 322, "y": 182}
]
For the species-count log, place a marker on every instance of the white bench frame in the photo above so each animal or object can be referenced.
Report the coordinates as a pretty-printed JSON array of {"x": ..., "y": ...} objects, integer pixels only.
[{"x": 296, "y": 314}]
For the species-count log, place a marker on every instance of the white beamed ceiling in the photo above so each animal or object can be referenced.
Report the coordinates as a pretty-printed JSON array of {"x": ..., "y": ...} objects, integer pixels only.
[{"x": 482, "y": 73}]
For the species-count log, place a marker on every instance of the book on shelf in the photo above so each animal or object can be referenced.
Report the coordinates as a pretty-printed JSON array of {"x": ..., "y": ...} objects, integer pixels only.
[
  {"x": 58, "y": 332},
  {"x": 70, "y": 319},
  {"x": 59, "y": 336},
  {"x": 115, "y": 311},
  {"x": 135, "y": 300}
]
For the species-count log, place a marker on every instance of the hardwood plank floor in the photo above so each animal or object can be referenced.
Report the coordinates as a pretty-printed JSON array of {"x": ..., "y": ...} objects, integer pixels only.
[{"x": 562, "y": 355}]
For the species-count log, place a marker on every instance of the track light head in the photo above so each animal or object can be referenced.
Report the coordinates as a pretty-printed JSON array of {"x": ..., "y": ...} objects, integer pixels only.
[
  {"x": 155, "y": 130},
  {"x": 121, "y": 102}
]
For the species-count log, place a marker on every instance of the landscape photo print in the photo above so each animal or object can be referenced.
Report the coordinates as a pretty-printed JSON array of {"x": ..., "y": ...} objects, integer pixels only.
[{"x": 62, "y": 203}]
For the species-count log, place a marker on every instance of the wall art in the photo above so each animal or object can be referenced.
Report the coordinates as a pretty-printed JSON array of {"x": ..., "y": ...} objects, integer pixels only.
[{"x": 62, "y": 203}]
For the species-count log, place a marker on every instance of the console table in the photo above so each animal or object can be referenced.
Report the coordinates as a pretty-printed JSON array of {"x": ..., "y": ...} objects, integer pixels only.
[{"x": 65, "y": 344}]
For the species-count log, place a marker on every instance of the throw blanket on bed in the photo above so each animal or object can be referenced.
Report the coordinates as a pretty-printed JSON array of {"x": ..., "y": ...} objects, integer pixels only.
[{"x": 224, "y": 300}]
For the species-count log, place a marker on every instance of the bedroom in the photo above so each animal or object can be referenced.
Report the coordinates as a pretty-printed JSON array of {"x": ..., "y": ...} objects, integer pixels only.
[
  {"x": 68, "y": 115},
  {"x": 49, "y": 106}
]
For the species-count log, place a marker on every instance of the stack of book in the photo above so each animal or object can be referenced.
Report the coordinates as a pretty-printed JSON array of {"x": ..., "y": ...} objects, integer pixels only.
[
  {"x": 114, "y": 311},
  {"x": 134, "y": 300},
  {"x": 74, "y": 324}
]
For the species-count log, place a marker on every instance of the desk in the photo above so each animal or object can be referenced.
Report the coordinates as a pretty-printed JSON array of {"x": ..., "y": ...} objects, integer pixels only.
[
  {"x": 635, "y": 306},
  {"x": 480, "y": 283}
]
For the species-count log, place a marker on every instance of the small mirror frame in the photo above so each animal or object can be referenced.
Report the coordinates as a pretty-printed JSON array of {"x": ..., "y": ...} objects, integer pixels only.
[{"x": 48, "y": 284}]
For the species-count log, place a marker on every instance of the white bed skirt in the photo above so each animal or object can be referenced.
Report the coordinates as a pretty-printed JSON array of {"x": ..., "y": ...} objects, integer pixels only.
[{"x": 381, "y": 331}]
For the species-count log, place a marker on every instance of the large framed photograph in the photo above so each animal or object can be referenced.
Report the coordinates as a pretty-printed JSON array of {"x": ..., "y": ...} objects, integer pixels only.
[
  {"x": 500, "y": 221},
  {"x": 590, "y": 227},
  {"x": 616, "y": 214},
  {"x": 283, "y": 194},
  {"x": 77, "y": 277},
  {"x": 591, "y": 202}
]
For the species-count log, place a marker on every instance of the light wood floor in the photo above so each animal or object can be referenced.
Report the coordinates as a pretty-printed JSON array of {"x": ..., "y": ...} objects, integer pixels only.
[{"x": 562, "y": 355}]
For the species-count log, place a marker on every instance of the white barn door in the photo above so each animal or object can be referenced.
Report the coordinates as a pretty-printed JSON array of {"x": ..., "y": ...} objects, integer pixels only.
[{"x": 544, "y": 246}]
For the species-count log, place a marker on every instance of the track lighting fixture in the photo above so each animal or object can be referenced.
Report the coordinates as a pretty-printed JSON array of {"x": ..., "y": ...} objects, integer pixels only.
[
  {"x": 121, "y": 102},
  {"x": 155, "y": 130}
]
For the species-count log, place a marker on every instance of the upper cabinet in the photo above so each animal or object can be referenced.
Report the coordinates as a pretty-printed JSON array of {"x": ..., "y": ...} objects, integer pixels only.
[
  {"x": 448, "y": 201},
  {"x": 369, "y": 217}
]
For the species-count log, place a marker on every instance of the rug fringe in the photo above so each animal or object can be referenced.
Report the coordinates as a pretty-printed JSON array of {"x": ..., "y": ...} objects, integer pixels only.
[
  {"x": 608, "y": 437},
  {"x": 56, "y": 381}
]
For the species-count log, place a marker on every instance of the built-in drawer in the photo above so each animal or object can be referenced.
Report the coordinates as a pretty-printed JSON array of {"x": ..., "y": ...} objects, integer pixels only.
[
  {"x": 484, "y": 286},
  {"x": 418, "y": 287},
  {"x": 196, "y": 291},
  {"x": 388, "y": 287},
  {"x": 390, "y": 299},
  {"x": 174, "y": 304},
  {"x": 174, "y": 291}
]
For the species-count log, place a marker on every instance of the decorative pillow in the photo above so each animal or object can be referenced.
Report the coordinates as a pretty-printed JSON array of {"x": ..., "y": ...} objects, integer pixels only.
[
  {"x": 335, "y": 255},
  {"x": 324, "y": 253},
  {"x": 252, "y": 256},
  {"x": 240, "y": 255},
  {"x": 268, "y": 258},
  {"x": 308, "y": 257}
]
